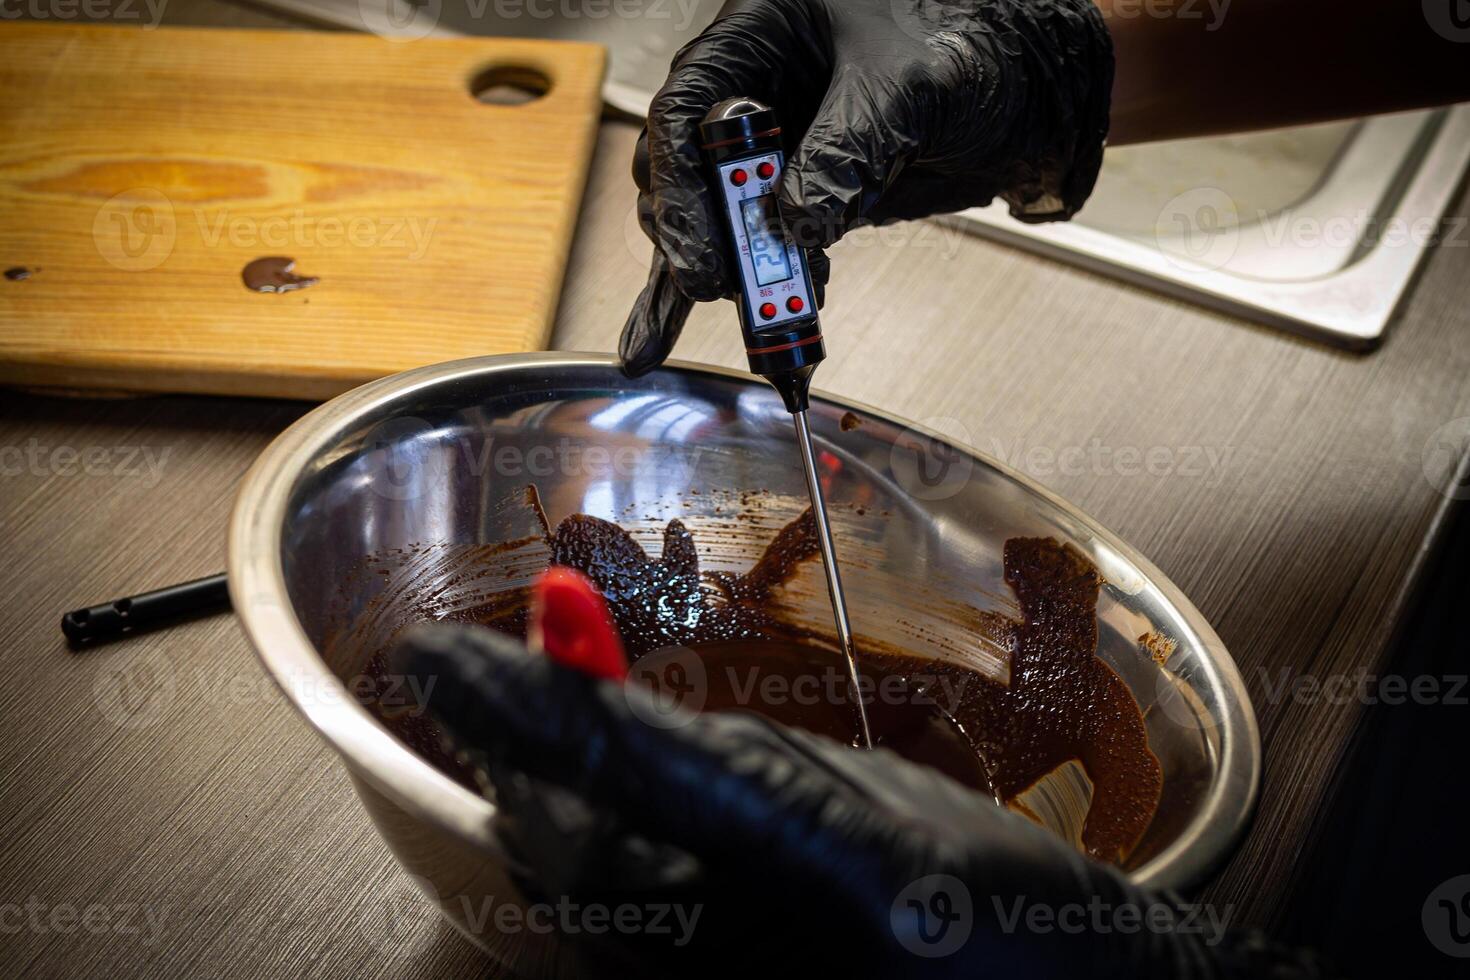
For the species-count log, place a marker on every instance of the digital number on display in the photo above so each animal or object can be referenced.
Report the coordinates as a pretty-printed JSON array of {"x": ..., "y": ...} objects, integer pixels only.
[{"x": 767, "y": 243}]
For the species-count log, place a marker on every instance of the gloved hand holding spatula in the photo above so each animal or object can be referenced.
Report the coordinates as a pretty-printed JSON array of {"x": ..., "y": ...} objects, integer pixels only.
[{"x": 787, "y": 853}]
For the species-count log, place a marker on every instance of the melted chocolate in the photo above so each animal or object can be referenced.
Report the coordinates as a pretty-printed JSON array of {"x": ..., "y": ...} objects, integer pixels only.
[
  {"x": 274, "y": 274},
  {"x": 806, "y": 686},
  {"x": 1061, "y": 703}
]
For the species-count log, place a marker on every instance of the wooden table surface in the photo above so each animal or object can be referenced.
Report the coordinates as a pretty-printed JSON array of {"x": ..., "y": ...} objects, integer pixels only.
[{"x": 164, "y": 810}]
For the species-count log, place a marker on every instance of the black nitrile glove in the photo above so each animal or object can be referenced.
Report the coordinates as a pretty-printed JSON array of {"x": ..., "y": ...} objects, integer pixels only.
[
  {"x": 890, "y": 109},
  {"x": 785, "y": 853}
]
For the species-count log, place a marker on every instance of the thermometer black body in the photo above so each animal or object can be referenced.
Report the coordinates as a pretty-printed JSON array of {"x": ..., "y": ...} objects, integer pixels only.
[{"x": 741, "y": 140}]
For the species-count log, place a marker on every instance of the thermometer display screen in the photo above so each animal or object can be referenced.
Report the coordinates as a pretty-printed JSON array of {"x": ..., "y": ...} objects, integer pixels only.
[{"x": 767, "y": 241}]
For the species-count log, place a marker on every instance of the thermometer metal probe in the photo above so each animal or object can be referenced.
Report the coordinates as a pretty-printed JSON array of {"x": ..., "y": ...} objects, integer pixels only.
[{"x": 741, "y": 141}]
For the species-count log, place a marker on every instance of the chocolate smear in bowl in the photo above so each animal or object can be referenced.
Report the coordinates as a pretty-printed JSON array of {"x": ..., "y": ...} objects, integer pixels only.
[{"x": 1061, "y": 703}]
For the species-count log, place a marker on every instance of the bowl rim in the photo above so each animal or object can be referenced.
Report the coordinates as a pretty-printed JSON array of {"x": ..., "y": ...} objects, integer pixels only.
[{"x": 258, "y": 591}]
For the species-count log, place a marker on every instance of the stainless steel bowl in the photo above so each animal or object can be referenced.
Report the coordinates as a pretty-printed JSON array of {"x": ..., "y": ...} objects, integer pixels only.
[{"x": 440, "y": 457}]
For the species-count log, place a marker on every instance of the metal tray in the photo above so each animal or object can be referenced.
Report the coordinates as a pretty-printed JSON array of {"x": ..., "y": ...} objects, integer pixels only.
[{"x": 1317, "y": 229}]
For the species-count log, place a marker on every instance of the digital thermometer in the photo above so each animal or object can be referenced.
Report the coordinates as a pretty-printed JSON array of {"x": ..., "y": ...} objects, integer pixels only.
[
  {"x": 778, "y": 310},
  {"x": 741, "y": 141}
]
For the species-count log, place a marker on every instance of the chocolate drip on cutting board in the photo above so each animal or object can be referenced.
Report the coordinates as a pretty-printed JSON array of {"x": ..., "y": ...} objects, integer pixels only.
[{"x": 274, "y": 274}]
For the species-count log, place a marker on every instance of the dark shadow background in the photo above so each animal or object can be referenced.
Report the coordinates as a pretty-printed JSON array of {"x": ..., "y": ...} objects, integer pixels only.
[{"x": 1399, "y": 825}]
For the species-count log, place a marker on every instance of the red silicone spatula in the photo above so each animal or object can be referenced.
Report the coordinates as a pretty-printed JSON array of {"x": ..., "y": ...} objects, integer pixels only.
[{"x": 570, "y": 623}]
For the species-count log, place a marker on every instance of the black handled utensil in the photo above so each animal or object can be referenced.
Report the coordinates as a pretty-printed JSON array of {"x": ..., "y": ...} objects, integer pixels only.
[{"x": 151, "y": 610}]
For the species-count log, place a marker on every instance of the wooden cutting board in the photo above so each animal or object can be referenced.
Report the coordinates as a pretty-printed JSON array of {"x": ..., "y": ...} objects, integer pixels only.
[{"x": 141, "y": 170}]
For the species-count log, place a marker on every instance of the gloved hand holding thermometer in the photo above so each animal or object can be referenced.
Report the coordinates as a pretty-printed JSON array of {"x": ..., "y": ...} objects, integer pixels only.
[
  {"x": 891, "y": 109},
  {"x": 896, "y": 109}
]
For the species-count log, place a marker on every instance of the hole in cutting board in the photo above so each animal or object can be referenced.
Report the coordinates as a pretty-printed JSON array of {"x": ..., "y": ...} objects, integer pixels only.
[{"x": 509, "y": 85}]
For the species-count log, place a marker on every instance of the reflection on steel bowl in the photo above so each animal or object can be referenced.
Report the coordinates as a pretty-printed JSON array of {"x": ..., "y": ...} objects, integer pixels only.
[{"x": 406, "y": 499}]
